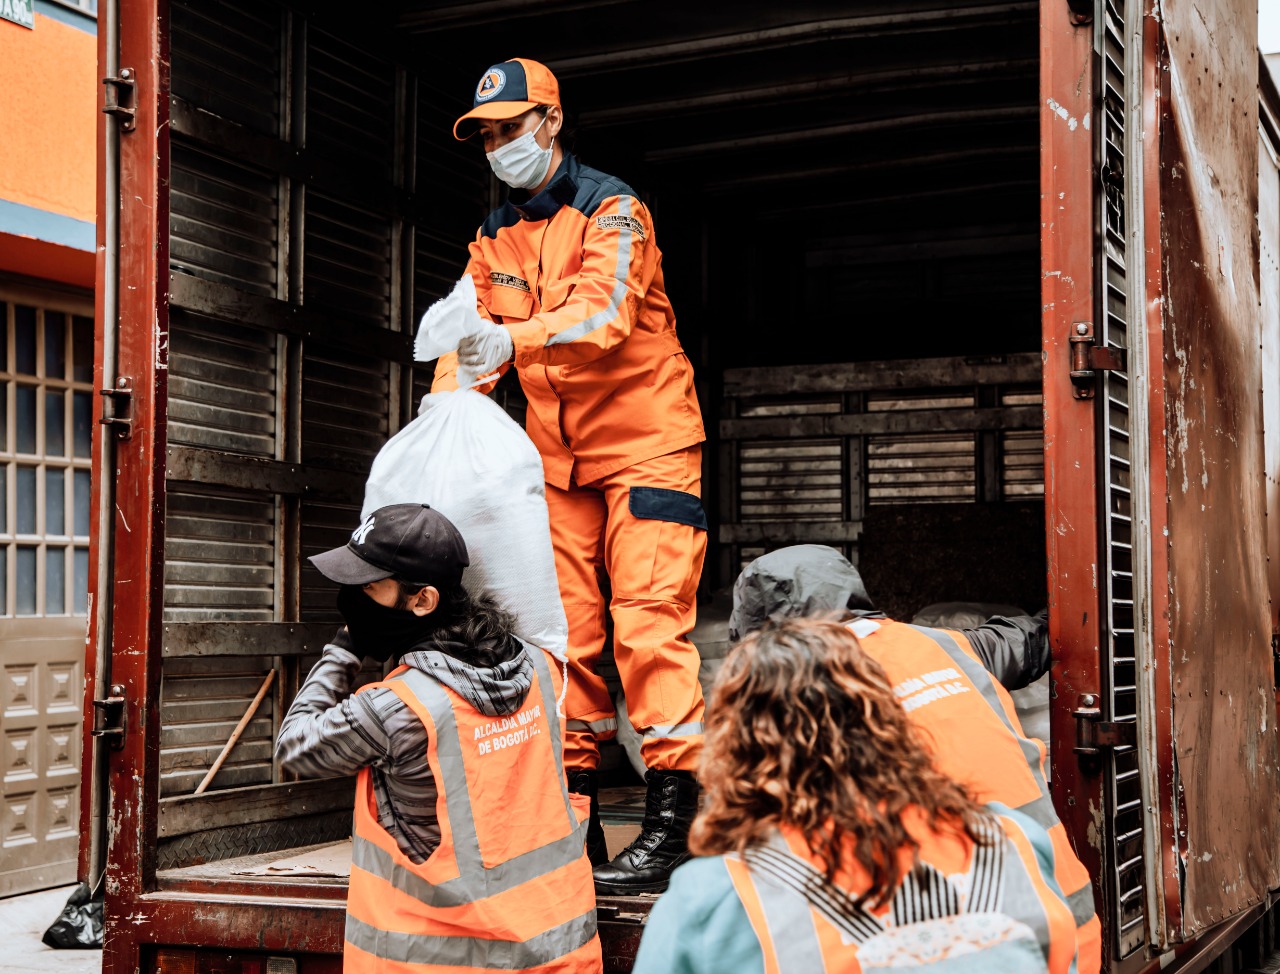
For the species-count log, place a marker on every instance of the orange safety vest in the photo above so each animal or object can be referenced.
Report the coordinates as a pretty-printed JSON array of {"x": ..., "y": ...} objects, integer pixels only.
[
  {"x": 509, "y": 887},
  {"x": 989, "y": 906},
  {"x": 973, "y": 730},
  {"x": 575, "y": 275}
]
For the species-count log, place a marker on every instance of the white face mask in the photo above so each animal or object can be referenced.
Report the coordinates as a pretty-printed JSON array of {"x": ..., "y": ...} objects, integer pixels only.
[{"x": 522, "y": 163}]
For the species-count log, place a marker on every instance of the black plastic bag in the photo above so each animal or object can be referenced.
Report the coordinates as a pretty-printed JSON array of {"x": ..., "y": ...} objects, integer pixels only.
[{"x": 80, "y": 923}]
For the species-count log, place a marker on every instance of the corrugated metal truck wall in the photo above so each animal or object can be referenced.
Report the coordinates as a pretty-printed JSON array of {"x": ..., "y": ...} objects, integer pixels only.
[{"x": 304, "y": 244}]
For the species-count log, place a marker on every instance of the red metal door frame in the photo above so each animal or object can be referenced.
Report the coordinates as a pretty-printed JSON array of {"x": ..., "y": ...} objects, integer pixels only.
[
  {"x": 137, "y": 582},
  {"x": 138, "y": 913}
]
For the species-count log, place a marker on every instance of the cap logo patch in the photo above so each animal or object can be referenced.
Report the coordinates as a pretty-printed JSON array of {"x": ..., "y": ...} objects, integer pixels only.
[
  {"x": 617, "y": 221},
  {"x": 494, "y": 80},
  {"x": 362, "y": 532}
]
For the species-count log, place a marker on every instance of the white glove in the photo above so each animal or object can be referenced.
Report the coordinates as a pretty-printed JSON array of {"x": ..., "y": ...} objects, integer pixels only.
[{"x": 482, "y": 353}]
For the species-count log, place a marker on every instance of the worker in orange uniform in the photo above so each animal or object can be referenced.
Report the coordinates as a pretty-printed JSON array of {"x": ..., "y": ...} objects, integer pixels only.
[
  {"x": 467, "y": 850},
  {"x": 954, "y": 683},
  {"x": 569, "y": 281}
]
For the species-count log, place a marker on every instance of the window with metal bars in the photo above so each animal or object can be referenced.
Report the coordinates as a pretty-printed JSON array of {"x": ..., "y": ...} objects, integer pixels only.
[{"x": 46, "y": 435}]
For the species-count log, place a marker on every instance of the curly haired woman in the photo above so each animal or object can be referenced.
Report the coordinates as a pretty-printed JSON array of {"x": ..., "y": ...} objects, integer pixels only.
[{"x": 829, "y": 842}]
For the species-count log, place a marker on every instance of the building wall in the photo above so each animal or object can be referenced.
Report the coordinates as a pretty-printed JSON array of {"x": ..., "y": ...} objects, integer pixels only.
[
  {"x": 51, "y": 92},
  {"x": 49, "y": 112}
]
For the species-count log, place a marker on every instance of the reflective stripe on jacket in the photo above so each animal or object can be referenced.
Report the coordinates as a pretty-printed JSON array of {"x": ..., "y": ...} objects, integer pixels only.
[
  {"x": 509, "y": 887},
  {"x": 962, "y": 906},
  {"x": 972, "y": 727},
  {"x": 575, "y": 275}
]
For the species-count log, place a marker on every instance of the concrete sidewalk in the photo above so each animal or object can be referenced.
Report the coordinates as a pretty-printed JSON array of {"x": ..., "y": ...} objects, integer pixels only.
[{"x": 23, "y": 921}]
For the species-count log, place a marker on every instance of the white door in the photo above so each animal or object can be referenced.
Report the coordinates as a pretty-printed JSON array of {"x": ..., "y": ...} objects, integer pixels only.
[{"x": 46, "y": 407}]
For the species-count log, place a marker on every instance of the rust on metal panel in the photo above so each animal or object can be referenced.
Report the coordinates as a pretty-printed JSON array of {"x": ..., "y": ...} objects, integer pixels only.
[
  {"x": 269, "y": 922},
  {"x": 1066, "y": 214},
  {"x": 1223, "y": 710},
  {"x": 1166, "y": 905},
  {"x": 138, "y": 565}
]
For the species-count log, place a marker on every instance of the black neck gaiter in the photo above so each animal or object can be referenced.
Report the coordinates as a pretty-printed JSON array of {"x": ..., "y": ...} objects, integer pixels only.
[{"x": 379, "y": 632}]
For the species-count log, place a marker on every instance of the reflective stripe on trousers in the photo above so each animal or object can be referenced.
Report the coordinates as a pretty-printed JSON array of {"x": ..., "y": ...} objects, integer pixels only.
[
  {"x": 608, "y": 725},
  {"x": 674, "y": 730}
]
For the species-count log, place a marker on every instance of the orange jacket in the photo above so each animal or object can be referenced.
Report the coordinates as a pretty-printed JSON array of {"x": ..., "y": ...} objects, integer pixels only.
[
  {"x": 973, "y": 730},
  {"x": 575, "y": 274},
  {"x": 988, "y": 906},
  {"x": 509, "y": 887}
]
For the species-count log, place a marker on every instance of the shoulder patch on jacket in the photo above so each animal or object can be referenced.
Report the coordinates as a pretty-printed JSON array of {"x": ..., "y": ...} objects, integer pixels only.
[
  {"x": 663, "y": 504},
  {"x": 509, "y": 280},
  {"x": 616, "y": 221}
]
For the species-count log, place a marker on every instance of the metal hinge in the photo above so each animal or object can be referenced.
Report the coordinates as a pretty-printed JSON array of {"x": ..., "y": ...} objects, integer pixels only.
[
  {"x": 121, "y": 399},
  {"x": 1093, "y": 734},
  {"x": 111, "y": 718},
  {"x": 1088, "y": 359},
  {"x": 120, "y": 99}
]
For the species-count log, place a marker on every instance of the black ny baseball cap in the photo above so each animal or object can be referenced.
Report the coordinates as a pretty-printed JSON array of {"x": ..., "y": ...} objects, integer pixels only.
[{"x": 411, "y": 542}]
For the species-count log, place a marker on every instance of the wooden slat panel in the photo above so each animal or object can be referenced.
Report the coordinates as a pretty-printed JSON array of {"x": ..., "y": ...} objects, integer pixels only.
[
  {"x": 216, "y": 468},
  {"x": 245, "y": 638},
  {"x": 219, "y": 556},
  {"x": 895, "y": 374},
  {"x": 185, "y": 814},
  {"x": 212, "y": 693},
  {"x": 866, "y": 424}
]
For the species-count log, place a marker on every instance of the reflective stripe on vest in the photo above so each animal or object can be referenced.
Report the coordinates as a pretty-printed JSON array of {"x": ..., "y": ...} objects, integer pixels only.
[
  {"x": 474, "y": 881},
  {"x": 1039, "y": 810},
  {"x": 451, "y": 951},
  {"x": 1081, "y": 903},
  {"x": 1076, "y": 882},
  {"x": 791, "y": 928},
  {"x": 998, "y": 883}
]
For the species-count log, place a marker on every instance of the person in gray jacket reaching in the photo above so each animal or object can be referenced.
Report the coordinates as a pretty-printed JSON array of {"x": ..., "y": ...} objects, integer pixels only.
[
  {"x": 459, "y": 754},
  {"x": 811, "y": 579},
  {"x": 401, "y": 596}
]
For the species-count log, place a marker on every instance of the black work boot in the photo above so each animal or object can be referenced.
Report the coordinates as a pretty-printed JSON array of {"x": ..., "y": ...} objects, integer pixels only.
[
  {"x": 645, "y": 866},
  {"x": 588, "y": 783}
]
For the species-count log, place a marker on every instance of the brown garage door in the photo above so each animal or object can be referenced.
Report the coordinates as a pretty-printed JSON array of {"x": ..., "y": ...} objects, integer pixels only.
[{"x": 46, "y": 373}]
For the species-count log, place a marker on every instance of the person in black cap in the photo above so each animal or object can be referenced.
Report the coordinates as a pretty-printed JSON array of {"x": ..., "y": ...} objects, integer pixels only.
[{"x": 459, "y": 757}]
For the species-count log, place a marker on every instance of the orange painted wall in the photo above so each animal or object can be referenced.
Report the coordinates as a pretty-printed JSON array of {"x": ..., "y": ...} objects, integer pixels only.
[{"x": 49, "y": 95}]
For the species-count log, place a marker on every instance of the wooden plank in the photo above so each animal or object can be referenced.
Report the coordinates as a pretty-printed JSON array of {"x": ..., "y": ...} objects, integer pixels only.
[
  {"x": 245, "y": 638},
  {"x": 925, "y": 373},
  {"x": 231, "y": 304},
  {"x": 185, "y": 814},
  {"x": 193, "y": 465},
  {"x": 776, "y": 534},
  {"x": 869, "y": 424}
]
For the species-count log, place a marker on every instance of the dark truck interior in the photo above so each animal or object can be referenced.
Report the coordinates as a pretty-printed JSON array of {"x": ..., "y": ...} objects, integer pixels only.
[{"x": 846, "y": 196}]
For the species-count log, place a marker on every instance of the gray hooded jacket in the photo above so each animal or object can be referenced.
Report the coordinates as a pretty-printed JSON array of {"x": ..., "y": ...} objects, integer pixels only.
[
  {"x": 330, "y": 732},
  {"x": 811, "y": 579}
]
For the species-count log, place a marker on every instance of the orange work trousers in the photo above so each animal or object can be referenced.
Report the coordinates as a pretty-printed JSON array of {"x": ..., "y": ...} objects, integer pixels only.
[{"x": 643, "y": 529}]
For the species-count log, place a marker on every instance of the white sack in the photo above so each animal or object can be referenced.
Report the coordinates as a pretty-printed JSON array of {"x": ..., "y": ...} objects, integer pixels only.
[
  {"x": 473, "y": 463},
  {"x": 447, "y": 322}
]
